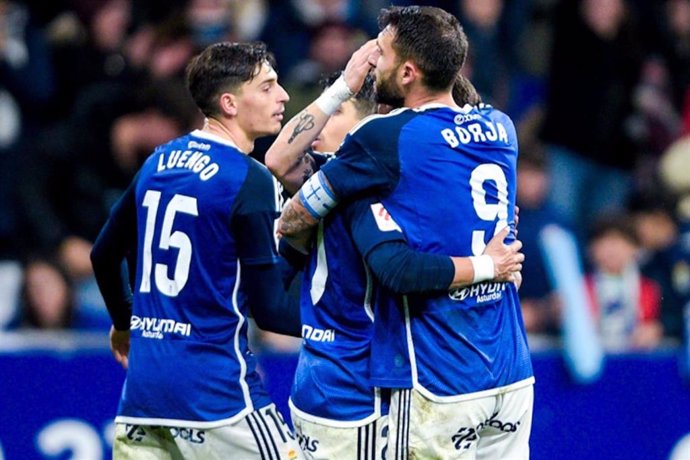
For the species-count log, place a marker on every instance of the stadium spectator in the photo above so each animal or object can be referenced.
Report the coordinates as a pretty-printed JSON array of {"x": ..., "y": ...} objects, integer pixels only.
[
  {"x": 626, "y": 303},
  {"x": 541, "y": 305},
  {"x": 330, "y": 48},
  {"x": 200, "y": 214},
  {"x": 675, "y": 31},
  {"x": 595, "y": 64},
  {"x": 90, "y": 37},
  {"x": 73, "y": 173},
  {"x": 214, "y": 21},
  {"x": 675, "y": 177},
  {"x": 290, "y": 26},
  {"x": 409, "y": 161},
  {"x": 47, "y": 296},
  {"x": 490, "y": 64},
  {"x": 27, "y": 88},
  {"x": 655, "y": 122}
]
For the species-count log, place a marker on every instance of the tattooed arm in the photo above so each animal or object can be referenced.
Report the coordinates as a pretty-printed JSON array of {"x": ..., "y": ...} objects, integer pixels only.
[
  {"x": 287, "y": 158},
  {"x": 295, "y": 222}
]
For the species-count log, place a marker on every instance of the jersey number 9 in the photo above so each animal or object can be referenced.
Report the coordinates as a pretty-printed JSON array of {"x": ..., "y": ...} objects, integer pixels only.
[{"x": 486, "y": 211}]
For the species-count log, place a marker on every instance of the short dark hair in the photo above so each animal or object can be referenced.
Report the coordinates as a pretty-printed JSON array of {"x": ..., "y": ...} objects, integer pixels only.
[
  {"x": 464, "y": 91},
  {"x": 223, "y": 67},
  {"x": 365, "y": 99},
  {"x": 617, "y": 223},
  {"x": 432, "y": 38}
]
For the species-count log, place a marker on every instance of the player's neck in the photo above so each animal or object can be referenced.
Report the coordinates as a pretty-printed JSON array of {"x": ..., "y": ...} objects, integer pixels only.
[
  {"x": 419, "y": 97},
  {"x": 220, "y": 129}
]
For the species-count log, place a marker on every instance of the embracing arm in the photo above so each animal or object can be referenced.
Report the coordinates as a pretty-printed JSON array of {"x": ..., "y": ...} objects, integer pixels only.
[
  {"x": 271, "y": 306},
  {"x": 295, "y": 221},
  {"x": 405, "y": 271},
  {"x": 263, "y": 281}
]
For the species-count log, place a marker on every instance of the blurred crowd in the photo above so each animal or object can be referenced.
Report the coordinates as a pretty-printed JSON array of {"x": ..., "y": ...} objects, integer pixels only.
[{"x": 599, "y": 91}]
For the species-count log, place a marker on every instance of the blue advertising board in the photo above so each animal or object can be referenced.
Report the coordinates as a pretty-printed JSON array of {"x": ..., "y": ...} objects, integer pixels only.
[{"x": 57, "y": 401}]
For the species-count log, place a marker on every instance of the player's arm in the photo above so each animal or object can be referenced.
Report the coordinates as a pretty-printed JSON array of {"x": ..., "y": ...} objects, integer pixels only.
[
  {"x": 403, "y": 270},
  {"x": 367, "y": 163},
  {"x": 286, "y": 158},
  {"x": 115, "y": 240},
  {"x": 271, "y": 307},
  {"x": 263, "y": 280}
]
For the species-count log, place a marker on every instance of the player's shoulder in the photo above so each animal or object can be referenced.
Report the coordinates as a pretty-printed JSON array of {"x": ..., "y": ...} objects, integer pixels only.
[
  {"x": 257, "y": 170},
  {"x": 378, "y": 123},
  {"x": 493, "y": 113},
  {"x": 488, "y": 114},
  {"x": 172, "y": 144}
]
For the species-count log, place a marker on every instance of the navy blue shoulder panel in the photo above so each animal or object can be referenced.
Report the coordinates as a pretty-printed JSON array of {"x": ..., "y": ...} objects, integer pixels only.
[
  {"x": 258, "y": 191},
  {"x": 368, "y": 161},
  {"x": 254, "y": 213}
]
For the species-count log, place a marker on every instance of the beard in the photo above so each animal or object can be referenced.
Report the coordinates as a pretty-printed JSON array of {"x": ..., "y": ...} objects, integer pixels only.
[{"x": 388, "y": 92}]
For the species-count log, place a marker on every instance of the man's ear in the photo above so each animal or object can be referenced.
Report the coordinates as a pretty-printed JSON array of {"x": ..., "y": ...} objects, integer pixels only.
[
  {"x": 409, "y": 73},
  {"x": 228, "y": 104}
]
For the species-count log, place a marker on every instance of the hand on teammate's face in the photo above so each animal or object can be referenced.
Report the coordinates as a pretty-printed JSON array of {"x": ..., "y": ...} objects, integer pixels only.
[{"x": 359, "y": 65}]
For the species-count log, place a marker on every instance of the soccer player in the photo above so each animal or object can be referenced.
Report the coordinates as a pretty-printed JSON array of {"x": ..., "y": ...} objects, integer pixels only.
[
  {"x": 201, "y": 215},
  {"x": 336, "y": 412},
  {"x": 458, "y": 363}
]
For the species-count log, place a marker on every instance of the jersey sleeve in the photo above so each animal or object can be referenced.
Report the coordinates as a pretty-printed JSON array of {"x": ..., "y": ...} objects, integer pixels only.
[
  {"x": 366, "y": 163},
  {"x": 253, "y": 217},
  {"x": 319, "y": 159},
  {"x": 264, "y": 277},
  {"x": 273, "y": 309},
  {"x": 115, "y": 242},
  {"x": 395, "y": 265}
]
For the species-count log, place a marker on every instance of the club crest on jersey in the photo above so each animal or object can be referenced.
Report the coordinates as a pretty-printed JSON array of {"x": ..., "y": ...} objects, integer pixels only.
[{"x": 384, "y": 221}]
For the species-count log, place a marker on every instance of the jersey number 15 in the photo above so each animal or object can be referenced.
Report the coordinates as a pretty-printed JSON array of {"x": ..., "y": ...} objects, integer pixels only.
[{"x": 168, "y": 238}]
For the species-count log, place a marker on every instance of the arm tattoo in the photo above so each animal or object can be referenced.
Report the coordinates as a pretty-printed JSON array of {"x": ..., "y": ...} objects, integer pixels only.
[
  {"x": 304, "y": 123},
  {"x": 309, "y": 165},
  {"x": 292, "y": 221}
]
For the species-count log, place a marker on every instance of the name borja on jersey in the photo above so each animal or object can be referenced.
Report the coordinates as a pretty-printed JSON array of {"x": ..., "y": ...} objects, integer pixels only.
[
  {"x": 468, "y": 130},
  {"x": 194, "y": 160}
]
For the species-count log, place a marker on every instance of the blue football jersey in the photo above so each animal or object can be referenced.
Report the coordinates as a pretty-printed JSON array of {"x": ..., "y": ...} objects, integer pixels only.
[
  {"x": 448, "y": 178},
  {"x": 202, "y": 207},
  {"x": 332, "y": 383}
]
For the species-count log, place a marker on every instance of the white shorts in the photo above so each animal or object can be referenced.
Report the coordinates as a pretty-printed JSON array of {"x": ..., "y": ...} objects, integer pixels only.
[
  {"x": 262, "y": 434},
  {"x": 485, "y": 428},
  {"x": 323, "y": 442}
]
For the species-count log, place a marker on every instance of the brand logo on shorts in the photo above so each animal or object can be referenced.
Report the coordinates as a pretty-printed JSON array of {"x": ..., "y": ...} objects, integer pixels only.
[
  {"x": 135, "y": 432},
  {"x": 306, "y": 443},
  {"x": 189, "y": 434},
  {"x": 155, "y": 328},
  {"x": 465, "y": 436},
  {"x": 481, "y": 292}
]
